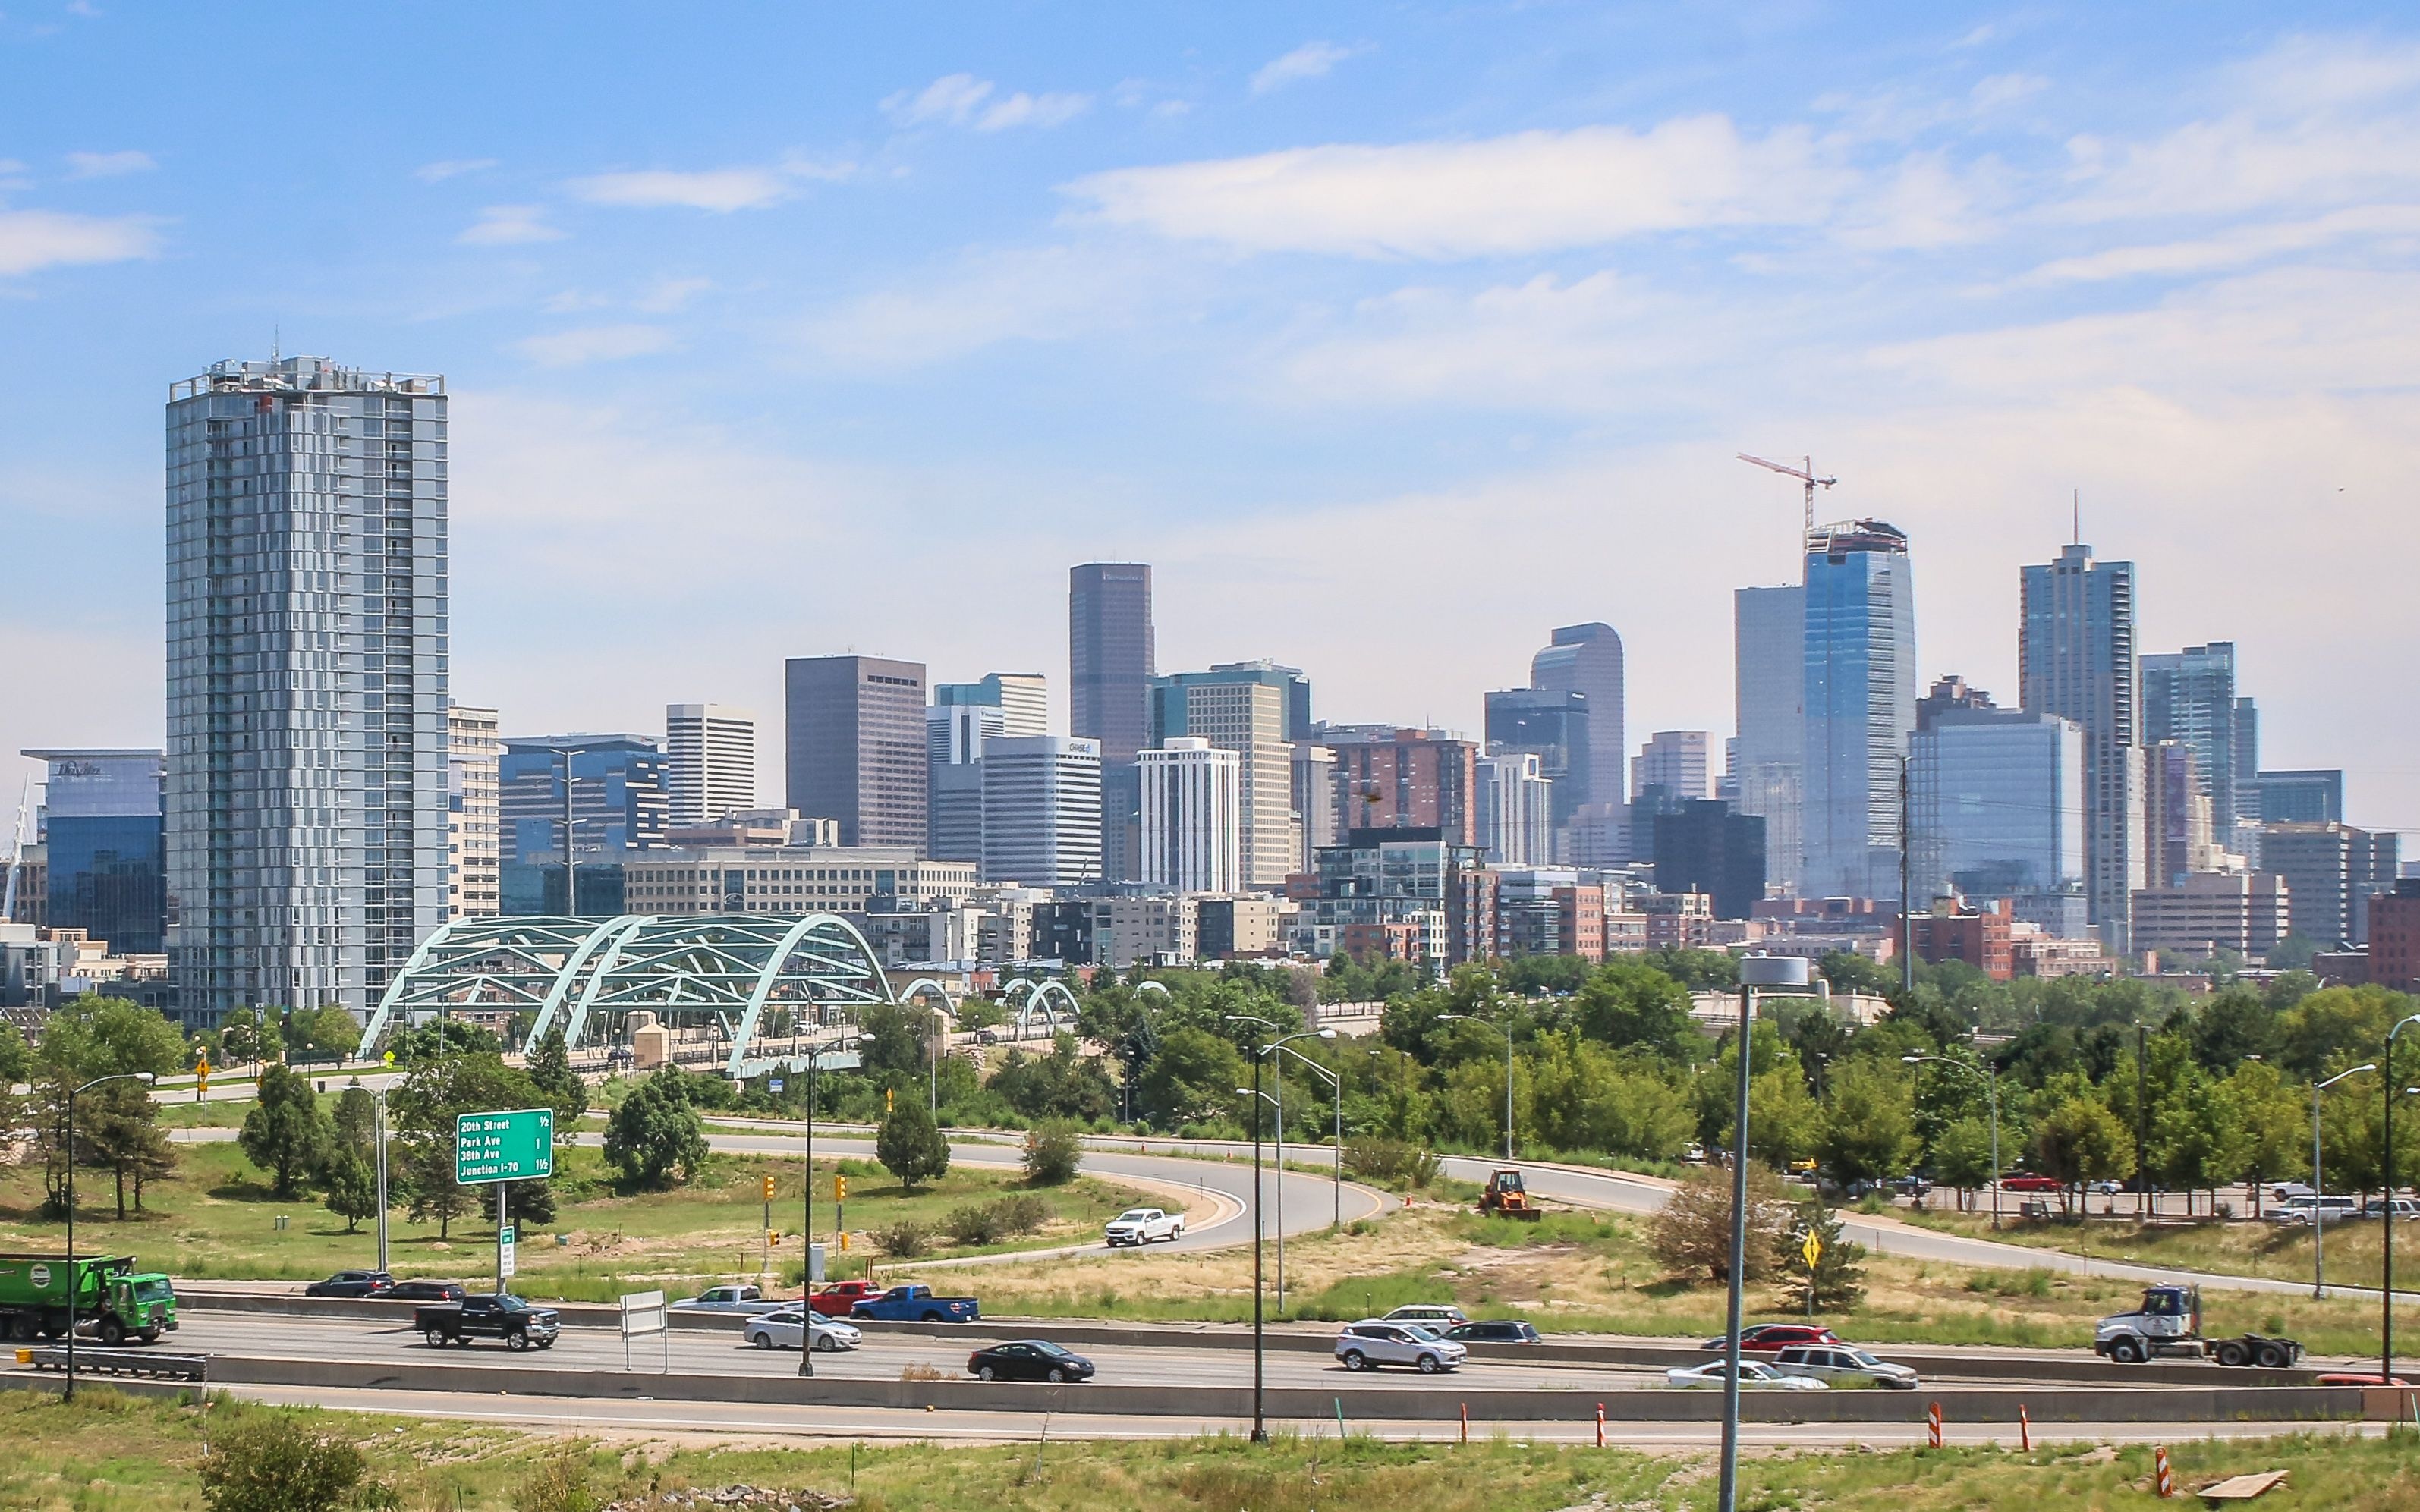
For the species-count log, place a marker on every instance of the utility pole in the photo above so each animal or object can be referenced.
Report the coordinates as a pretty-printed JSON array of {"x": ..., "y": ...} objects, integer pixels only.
[{"x": 2143, "y": 1205}]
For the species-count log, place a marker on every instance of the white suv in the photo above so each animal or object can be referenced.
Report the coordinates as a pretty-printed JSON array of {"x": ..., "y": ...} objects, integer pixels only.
[
  {"x": 1429, "y": 1314},
  {"x": 1140, "y": 1226},
  {"x": 1836, "y": 1363},
  {"x": 1375, "y": 1341}
]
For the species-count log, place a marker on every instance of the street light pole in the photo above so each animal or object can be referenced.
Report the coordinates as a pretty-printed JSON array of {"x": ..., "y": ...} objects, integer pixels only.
[
  {"x": 1278, "y": 1102},
  {"x": 1465, "y": 1018},
  {"x": 2387, "y": 1216},
  {"x": 75, "y": 1276},
  {"x": 807, "y": 1239},
  {"x": 1336, "y": 1218},
  {"x": 1992, "y": 1077},
  {"x": 1755, "y": 971},
  {"x": 1260, "y": 1419},
  {"x": 378, "y": 1123},
  {"x": 2319, "y": 1219}
]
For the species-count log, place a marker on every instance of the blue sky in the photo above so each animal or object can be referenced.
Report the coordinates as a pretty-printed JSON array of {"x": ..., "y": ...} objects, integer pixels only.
[{"x": 1392, "y": 334}]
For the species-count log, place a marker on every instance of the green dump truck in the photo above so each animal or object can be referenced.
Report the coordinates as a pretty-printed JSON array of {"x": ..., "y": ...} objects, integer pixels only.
[{"x": 40, "y": 1295}]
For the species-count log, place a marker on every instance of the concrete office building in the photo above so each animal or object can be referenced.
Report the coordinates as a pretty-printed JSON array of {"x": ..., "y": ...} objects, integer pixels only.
[
  {"x": 1514, "y": 813},
  {"x": 1997, "y": 797},
  {"x": 306, "y": 682},
  {"x": 1192, "y": 815},
  {"x": 2394, "y": 937},
  {"x": 855, "y": 729},
  {"x": 709, "y": 761},
  {"x": 1678, "y": 762},
  {"x": 793, "y": 880},
  {"x": 2076, "y": 659},
  {"x": 1769, "y": 686},
  {"x": 1023, "y": 700},
  {"x": 2247, "y": 911},
  {"x": 619, "y": 807},
  {"x": 1391, "y": 779},
  {"x": 473, "y": 820},
  {"x": 2189, "y": 697},
  {"x": 1042, "y": 807},
  {"x": 1860, "y": 705},
  {"x": 105, "y": 848},
  {"x": 1587, "y": 659},
  {"x": 2331, "y": 871},
  {"x": 1244, "y": 707},
  {"x": 1314, "y": 796},
  {"x": 1111, "y": 662},
  {"x": 955, "y": 734}
]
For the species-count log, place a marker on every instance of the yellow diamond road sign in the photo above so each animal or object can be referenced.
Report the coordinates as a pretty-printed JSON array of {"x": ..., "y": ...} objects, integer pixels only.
[{"x": 1812, "y": 1249}]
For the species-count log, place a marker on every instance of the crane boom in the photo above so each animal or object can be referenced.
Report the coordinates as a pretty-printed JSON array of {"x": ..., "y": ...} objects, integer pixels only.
[
  {"x": 16, "y": 855},
  {"x": 1805, "y": 475}
]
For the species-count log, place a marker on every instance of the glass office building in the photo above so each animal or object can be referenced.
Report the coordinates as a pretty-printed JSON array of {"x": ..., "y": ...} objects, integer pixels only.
[
  {"x": 108, "y": 846},
  {"x": 2076, "y": 658},
  {"x": 1860, "y": 707},
  {"x": 306, "y": 680},
  {"x": 620, "y": 803},
  {"x": 1997, "y": 797}
]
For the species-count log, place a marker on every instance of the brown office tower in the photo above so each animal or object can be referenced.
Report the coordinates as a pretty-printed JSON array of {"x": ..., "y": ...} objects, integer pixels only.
[{"x": 855, "y": 737}]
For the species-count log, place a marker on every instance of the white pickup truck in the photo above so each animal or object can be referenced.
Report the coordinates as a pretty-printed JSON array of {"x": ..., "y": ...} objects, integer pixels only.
[{"x": 1140, "y": 1226}]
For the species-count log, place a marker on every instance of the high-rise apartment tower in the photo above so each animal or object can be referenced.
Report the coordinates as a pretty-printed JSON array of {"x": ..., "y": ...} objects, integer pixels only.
[{"x": 709, "y": 761}]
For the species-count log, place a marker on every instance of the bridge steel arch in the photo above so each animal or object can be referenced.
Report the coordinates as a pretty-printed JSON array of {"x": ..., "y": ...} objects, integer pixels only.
[
  {"x": 513, "y": 963},
  {"x": 1037, "y": 996}
]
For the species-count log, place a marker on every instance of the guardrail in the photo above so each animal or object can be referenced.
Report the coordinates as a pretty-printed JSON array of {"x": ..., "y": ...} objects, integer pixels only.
[{"x": 154, "y": 1362}]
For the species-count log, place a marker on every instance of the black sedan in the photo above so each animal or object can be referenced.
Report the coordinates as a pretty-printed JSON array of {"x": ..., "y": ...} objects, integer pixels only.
[
  {"x": 1494, "y": 1331},
  {"x": 353, "y": 1284},
  {"x": 426, "y": 1292},
  {"x": 1027, "y": 1360}
]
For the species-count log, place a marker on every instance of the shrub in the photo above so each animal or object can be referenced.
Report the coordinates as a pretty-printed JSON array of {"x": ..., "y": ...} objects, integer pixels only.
[
  {"x": 905, "y": 1240},
  {"x": 974, "y": 1224},
  {"x": 269, "y": 1462},
  {"x": 1396, "y": 1163},
  {"x": 1022, "y": 1213},
  {"x": 990, "y": 1223},
  {"x": 559, "y": 1483},
  {"x": 1691, "y": 1236},
  {"x": 1052, "y": 1149}
]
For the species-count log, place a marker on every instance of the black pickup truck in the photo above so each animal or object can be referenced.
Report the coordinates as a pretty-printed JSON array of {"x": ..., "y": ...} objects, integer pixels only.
[{"x": 488, "y": 1316}]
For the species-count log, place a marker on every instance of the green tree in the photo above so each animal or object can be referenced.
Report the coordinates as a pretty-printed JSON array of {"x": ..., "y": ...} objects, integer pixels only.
[
  {"x": 421, "y": 1114},
  {"x": 16, "y": 1057},
  {"x": 349, "y": 1184},
  {"x": 270, "y": 1462},
  {"x": 2270, "y": 1123},
  {"x": 655, "y": 1132},
  {"x": 1625, "y": 1004},
  {"x": 1869, "y": 1122},
  {"x": 446, "y": 1037},
  {"x": 250, "y": 1034},
  {"x": 1192, "y": 1078},
  {"x": 1962, "y": 1157},
  {"x": 323, "y": 1031},
  {"x": 1053, "y": 1149},
  {"x": 910, "y": 1145},
  {"x": 119, "y": 1126},
  {"x": 1690, "y": 1236},
  {"x": 2081, "y": 1140},
  {"x": 891, "y": 1039},
  {"x": 1836, "y": 1283},
  {"x": 287, "y": 1133},
  {"x": 1060, "y": 1085},
  {"x": 550, "y": 1070},
  {"x": 356, "y": 1121}
]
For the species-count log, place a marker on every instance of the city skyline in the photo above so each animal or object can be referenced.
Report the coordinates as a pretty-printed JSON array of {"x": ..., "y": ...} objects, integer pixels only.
[{"x": 2039, "y": 333}]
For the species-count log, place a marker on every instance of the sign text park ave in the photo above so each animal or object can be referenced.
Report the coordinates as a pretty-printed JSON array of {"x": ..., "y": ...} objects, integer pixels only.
[{"x": 514, "y": 1146}]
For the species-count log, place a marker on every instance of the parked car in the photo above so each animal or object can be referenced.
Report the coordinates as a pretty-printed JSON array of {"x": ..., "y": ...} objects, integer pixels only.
[
  {"x": 1140, "y": 1226},
  {"x": 740, "y": 1299},
  {"x": 488, "y": 1314},
  {"x": 1833, "y": 1364},
  {"x": 2104, "y": 1189},
  {"x": 353, "y": 1284},
  {"x": 2029, "y": 1181},
  {"x": 917, "y": 1305},
  {"x": 1435, "y": 1315},
  {"x": 428, "y": 1291},
  {"x": 1693, "y": 1154},
  {"x": 1494, "y": 1331},
  {"x": 1753, "y": 1373},
  {"x": 2329, "y": 1208},
  {"x": 1377, "y": 1341},
  {"x": 2403, "y": 1208},
  {"x": 835, "y": 1301},
  {"x": 2288, "y": 1191},
  {"x": 780, "y": 1329},
  {"x": 1768, "y": 1338},
  {"x": 987, "y": 1036},
  {"x": 1911, "y": 1186},
  {"x": 1029, "y": 1360}
]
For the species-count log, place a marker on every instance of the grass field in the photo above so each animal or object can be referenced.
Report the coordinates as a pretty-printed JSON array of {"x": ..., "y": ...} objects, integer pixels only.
[
  {"x": 1576, "y": 1273},
  {"x": 112, "y": 1452},
  {"x": 217, "y": 1218},
  {"x": 2280, "y": 1251}
]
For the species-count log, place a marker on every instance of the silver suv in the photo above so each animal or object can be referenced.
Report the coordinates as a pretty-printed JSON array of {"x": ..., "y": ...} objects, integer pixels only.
[
  {"x": 1842, "y": 1364},
  {"x": 1375, "y": 1341}
]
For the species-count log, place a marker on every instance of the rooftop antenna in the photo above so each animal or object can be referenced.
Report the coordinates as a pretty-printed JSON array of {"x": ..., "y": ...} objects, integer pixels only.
[
  {"x": 2076, "y": 502},
  {"x": 1804, "y": 474}
]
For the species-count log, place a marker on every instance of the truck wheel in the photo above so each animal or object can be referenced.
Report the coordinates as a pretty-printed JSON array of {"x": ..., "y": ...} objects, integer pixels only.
[
  {"x": 2272, "y": 1357},
  {"x": 112, "y": 1333},
  {"x": 433, "y": 1337},
  {"x": 933, "y": 1317},
  {"x": 2126, "y": 1351},
  {"x": 2233, "y": 1353},
  {"x": 516, "y": 1341},
  {"x": 20, "y": 1327},
  {"x": 149, "y": 1335}
]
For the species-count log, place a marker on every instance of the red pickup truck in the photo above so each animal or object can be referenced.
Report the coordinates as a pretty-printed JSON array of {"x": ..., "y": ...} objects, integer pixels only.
[{"x": 841, "y": 1296}]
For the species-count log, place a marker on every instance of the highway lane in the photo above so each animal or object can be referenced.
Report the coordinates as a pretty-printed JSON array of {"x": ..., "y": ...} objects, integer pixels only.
[{"x": 882, "y": 1357}]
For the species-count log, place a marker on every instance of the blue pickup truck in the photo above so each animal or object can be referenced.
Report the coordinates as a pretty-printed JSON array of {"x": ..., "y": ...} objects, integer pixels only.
[{"x": 917, "y": 1304}]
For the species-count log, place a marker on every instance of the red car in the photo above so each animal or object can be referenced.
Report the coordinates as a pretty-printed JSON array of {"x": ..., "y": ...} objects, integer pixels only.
[
  {"x": 841, "y": 1296},
  {"x": 2021, "y": 1182},
  {"x": 1768, "y": 1338}
]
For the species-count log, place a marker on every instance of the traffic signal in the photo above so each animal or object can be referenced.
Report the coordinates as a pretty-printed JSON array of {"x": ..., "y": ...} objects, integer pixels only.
[
  {"x": 887, "y": 1093},
  {"x": 840, "y": 1189},
  {"x": 843, "y": 1242},
  {"x": 774, "y": 1237},
  {"x": 769, "y": 1188}
]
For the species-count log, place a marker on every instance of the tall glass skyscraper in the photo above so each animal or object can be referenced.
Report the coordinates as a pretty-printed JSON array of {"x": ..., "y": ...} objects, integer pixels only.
[
  {"x": 1860, "y": 703},
  {"x": 1769, "y": 655},
  {"x": 2076, "y": 658},
  {"x": 306, "y": 797},
  {"x": 2189, "y": 696},
  {"x": 1111, "y": 658},
  {"x": 1588, "y": 659},
  {"x": 107, "y": 859}
]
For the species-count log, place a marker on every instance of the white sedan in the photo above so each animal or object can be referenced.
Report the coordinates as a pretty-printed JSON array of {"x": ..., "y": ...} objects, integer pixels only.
[
  {"x": 1140, "y": 1226},
  {"x": 1754, "y": 1374},
  {"x": 781, "y": 1330}
]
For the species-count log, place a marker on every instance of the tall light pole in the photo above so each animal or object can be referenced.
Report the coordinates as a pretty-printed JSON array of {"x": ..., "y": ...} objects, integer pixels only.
[
  {"x": 2386, "y": 1215},
  {"x": 1335, "y": 1082},
  {"x": 378, "y": 1143},
  {"x": 934, "y": 1044},
  {"x": 1993, "y": 1078},
  {"x": 75, "y": 1277},
  {"x": 807, "y": 1239},
  {"x": 2319, "y": 1219},
  {"x": 1278, "y": 1100},
  {"x": 1755, "y": 971},
  {"x": 1465, "y": 1018}
]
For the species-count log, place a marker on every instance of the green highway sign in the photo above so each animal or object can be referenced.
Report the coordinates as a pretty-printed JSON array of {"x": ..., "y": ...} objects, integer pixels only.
[{"x": 515, "y": 1146}]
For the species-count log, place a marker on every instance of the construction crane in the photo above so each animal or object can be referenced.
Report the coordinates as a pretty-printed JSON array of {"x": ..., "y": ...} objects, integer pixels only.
[
  {"x": 16, "y": 855},
  {"x": 1805, "y": 475}
]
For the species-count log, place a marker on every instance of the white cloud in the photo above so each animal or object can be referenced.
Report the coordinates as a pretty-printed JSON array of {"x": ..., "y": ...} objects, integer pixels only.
[
  {"x": 1043, "y": 294},
  {"x": 950, "y": 98},
  {"x": 2232, "y": 248},
  {"x": 1312, "y": 60},
  {"x": 721, "y": 190},
  {"x": 108, "y": 164},
  {"x": 1529, "y": 192},
  {"x": 1021, "y": 109},
  {"x": 509, "y": 226},
  {"x": 670, "y": 294},
  {"x": 31, "y": 240},
  {"x": 594, "y": 344},
  {"x": 437, "y": 173}
]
